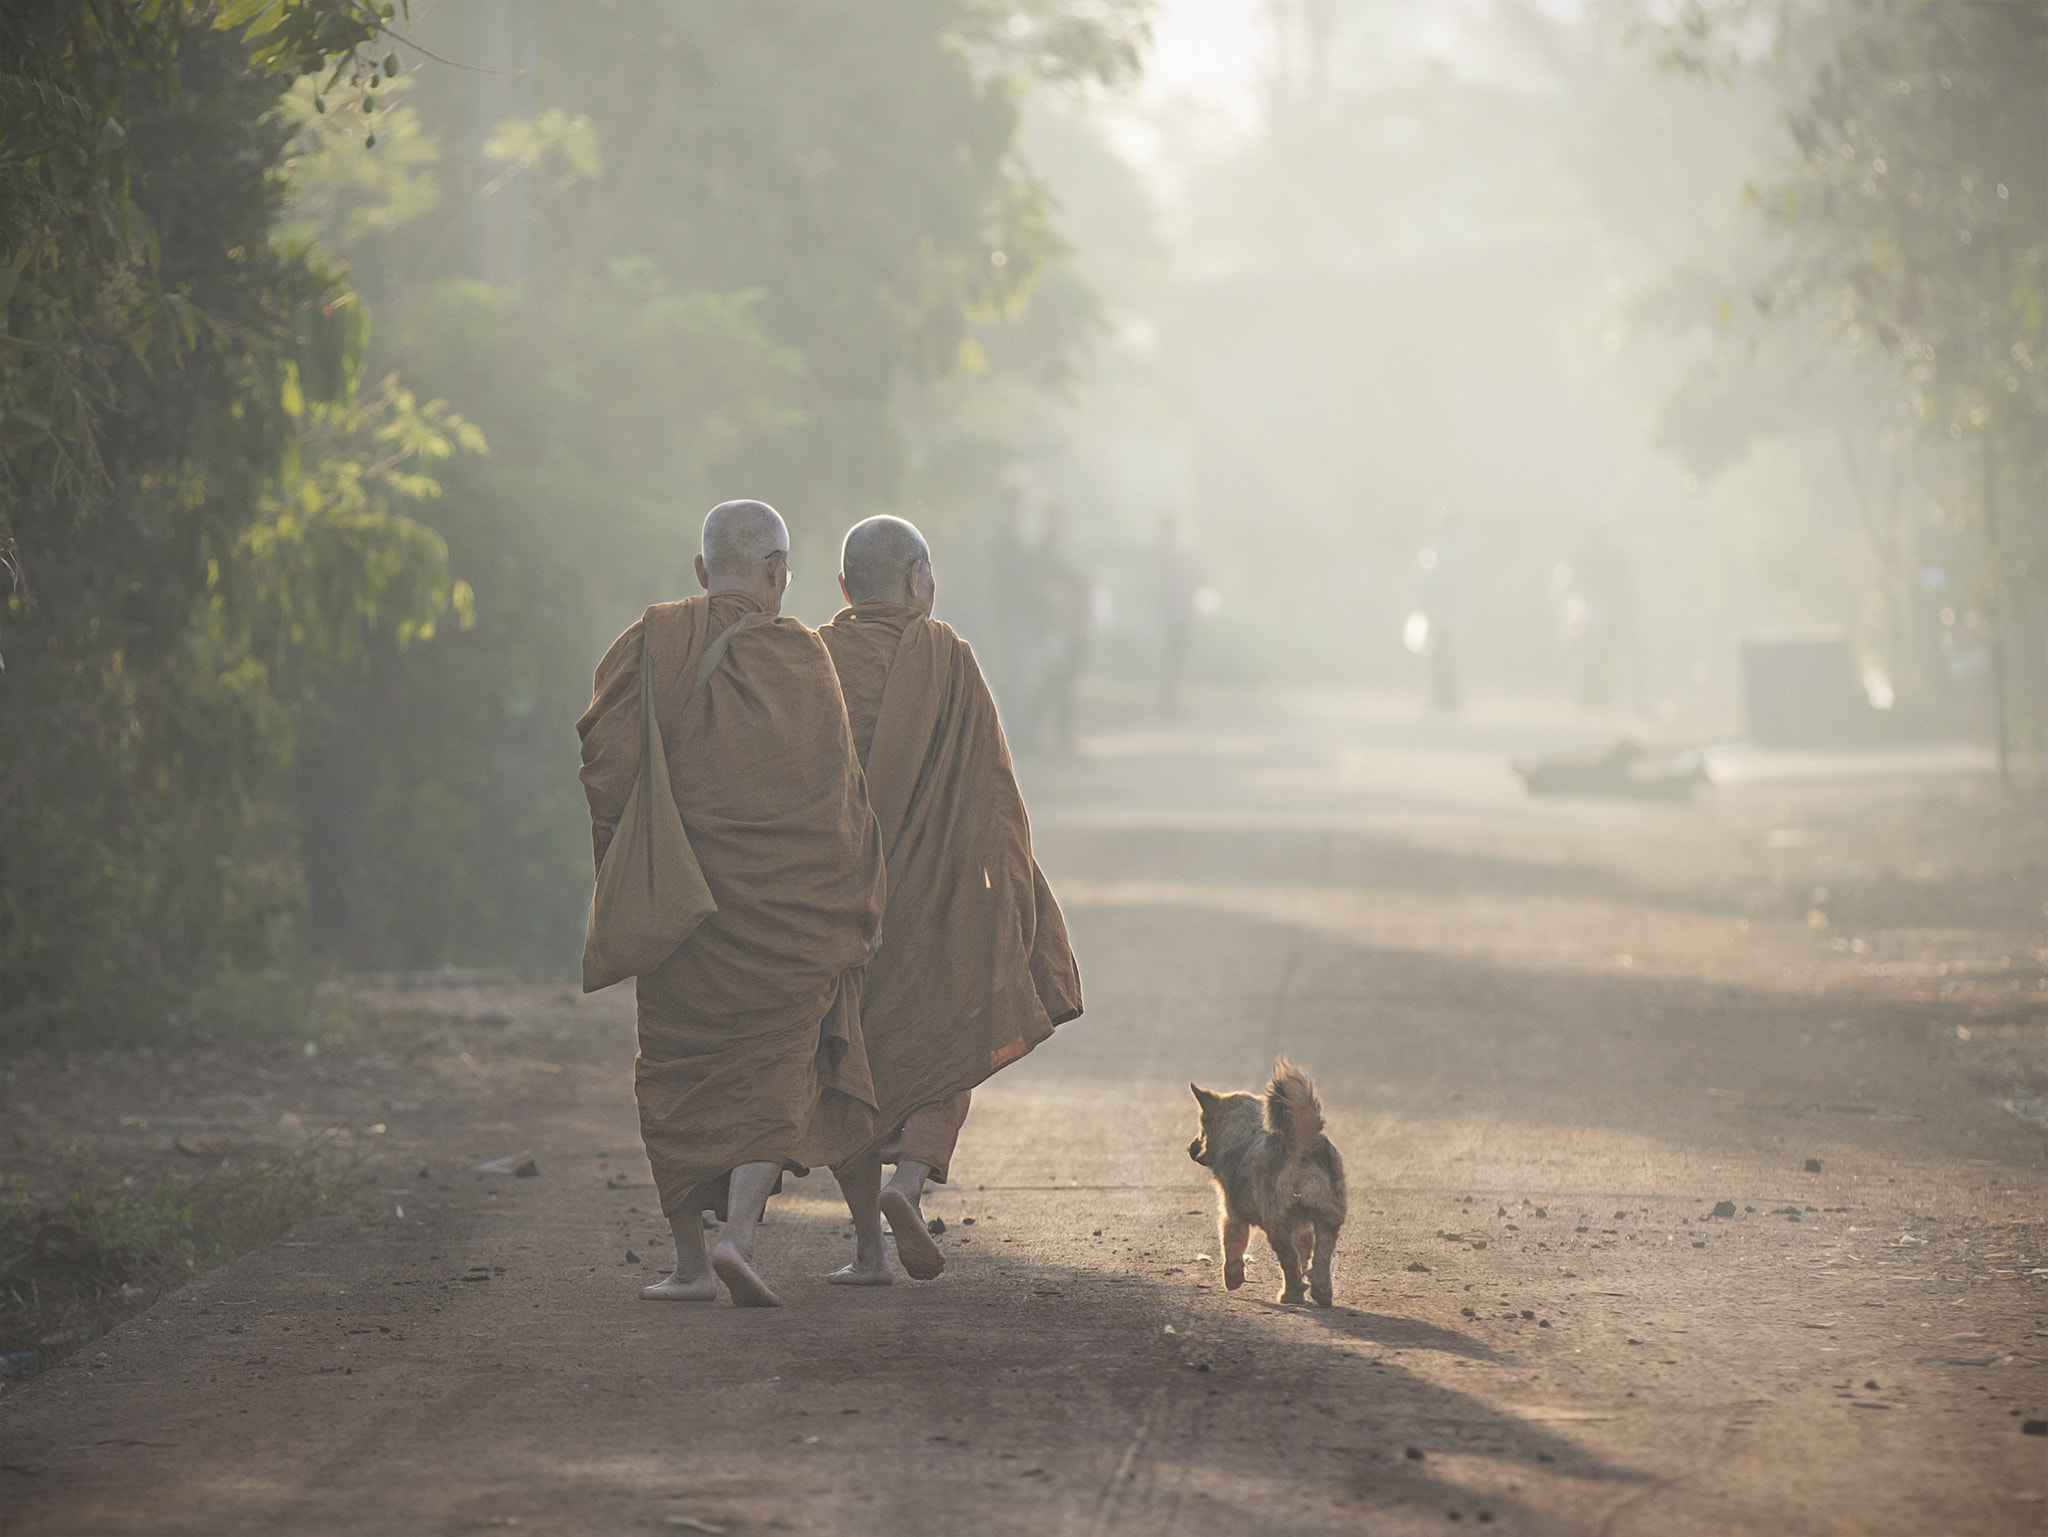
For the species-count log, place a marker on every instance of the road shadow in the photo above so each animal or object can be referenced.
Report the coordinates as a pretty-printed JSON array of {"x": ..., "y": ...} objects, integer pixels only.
[
  {"x": 2005, "y": 899},
  {"x": 1682, "y": 1060},
  {"x": 1390, "y": 1330},
  {"x": 1066, "y": 1380}
]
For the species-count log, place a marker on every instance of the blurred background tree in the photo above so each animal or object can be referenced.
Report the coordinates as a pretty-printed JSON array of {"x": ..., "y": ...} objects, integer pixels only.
[
  {"x": 1901, "y": 265},
  {"x": 1486, "y": 276},
  {"x": 1917, "y": 215}
]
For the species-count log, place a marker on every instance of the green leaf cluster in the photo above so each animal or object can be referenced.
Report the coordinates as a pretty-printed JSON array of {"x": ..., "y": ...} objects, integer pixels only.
[{"x": 199, "y": 513}]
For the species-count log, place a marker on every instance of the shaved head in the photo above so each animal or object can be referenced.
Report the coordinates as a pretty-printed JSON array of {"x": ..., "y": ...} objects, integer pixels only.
[
  {"x": 742, "y": 541},
  {"x": 881, "y": 559},
  {"x": 738, "y": 536}
]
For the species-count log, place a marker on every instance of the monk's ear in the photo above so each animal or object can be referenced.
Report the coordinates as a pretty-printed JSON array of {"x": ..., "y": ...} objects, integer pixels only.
[{"x": 844, "y": 591}]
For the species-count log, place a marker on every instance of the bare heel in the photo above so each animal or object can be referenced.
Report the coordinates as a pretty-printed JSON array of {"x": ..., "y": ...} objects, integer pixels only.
[
  {"x": 922, "y": 1259},
  {"x": 748, "y": 1289}
]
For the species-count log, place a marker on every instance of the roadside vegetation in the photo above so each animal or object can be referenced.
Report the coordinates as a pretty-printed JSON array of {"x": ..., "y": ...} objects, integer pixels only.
[{"x": 74, "y": 1262}]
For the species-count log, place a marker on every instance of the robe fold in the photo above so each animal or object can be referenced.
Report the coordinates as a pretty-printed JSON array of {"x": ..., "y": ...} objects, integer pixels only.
[
  {"x": 974, "y": 968},
  {"x": 751, "y": 1047}
]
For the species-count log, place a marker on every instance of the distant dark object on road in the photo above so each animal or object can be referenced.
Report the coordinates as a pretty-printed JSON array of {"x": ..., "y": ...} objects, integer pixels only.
[{"x": 1623, "y": 772}]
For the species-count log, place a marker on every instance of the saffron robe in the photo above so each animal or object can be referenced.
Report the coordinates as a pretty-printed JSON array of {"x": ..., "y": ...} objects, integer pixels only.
[
  {"x": 974, "y": 967},
  {"x": 750, "y": 1034}
]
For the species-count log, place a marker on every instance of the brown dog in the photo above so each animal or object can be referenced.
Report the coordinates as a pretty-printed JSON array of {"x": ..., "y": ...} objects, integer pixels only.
[{"x": 1276, "y": 1171}]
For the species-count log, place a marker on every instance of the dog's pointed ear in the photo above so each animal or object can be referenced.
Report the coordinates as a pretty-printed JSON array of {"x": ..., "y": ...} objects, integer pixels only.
[{"x": 1202, "y": 1096}]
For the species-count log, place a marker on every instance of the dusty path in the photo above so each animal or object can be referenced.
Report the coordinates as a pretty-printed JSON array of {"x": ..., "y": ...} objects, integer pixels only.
[{"x": 1551, "y": 1037}]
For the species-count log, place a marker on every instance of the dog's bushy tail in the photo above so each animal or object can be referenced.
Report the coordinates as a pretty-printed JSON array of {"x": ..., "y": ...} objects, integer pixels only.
[{"x": 1293, "y": 1113}]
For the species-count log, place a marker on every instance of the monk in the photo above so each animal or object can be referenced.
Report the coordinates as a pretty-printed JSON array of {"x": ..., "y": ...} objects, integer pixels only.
[
  {"x": 975, "y": 968},
  {"x": 751, "y": 1061}
]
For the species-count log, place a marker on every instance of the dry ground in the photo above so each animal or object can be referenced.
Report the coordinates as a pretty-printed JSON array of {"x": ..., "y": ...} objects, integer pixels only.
[{"x": 1550, "y": 1036}]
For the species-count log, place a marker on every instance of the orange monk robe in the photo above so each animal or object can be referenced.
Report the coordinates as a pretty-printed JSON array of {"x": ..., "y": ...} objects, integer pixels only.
[
  {"x": 974, "y": 967},
  {"x": 750, "y": 1036}
]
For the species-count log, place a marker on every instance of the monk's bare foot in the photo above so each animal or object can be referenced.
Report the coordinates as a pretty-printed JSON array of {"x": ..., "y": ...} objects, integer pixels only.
[
  {"x": 748, "y": 1289},
  {"x": 676, "y": 1289},
  {"x": 922, "y": 1258},
  {"x": 861, "y": 1273}
]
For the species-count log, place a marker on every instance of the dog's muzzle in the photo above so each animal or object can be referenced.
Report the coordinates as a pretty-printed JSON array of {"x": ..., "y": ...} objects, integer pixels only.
[{"x": 1195, "y": 1150}]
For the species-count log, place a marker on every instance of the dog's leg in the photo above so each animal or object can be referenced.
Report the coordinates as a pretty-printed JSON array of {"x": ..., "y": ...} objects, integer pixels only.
[
  {"x": 1236, "y": 1235},
  {"x": 1319, "y": 1267},
  {"x": 1281, "y": 1237}
]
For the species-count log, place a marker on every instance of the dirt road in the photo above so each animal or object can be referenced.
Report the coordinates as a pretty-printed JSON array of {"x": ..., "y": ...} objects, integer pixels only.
[{"x": 1550, "y": 1036}]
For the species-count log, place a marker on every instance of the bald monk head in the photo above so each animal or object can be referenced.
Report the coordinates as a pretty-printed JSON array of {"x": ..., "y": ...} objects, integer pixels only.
[
  {"x": 746, "y": 549},
  {"x": 885, "y": 560}
]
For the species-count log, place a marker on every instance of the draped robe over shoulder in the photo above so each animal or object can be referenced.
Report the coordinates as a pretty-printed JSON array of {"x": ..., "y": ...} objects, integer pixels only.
[
  {"x": 974, "y": 968},
  {"x": 750, "y": 1035}
]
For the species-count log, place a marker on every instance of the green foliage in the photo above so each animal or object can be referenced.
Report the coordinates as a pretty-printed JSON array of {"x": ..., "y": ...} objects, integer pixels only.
[
  {"x": 198, "y": 511},
  {"x": 523, "y": 145},
  {"x": 296, "y": 37},
  {"x": 1925, "y": 180},
  {"x": 1897, "y": 285},
  {"x": 328, "y": 559},
  {"x": 1917, "y": 212},
  {"x": 329, "y": 172},
  {"x": 79, "y": 254},
  {"x": 441, "y": 810},
  {"x": 72, "y": 242},
  {"x": 854, "y": 167},
  {"x": 72, "y": 1266}
]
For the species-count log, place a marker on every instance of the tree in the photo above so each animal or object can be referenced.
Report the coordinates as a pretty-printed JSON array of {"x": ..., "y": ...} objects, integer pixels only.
[
  {"x": 1919, "y": 215},
  {"x": 200, "y": 510},
  {"x": 1908, "y": 215}
]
